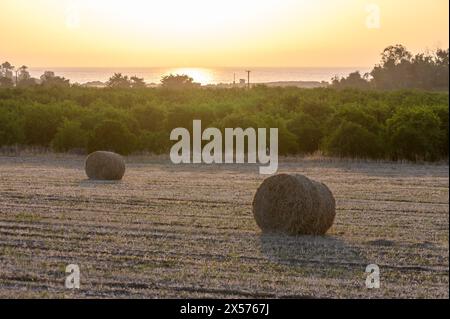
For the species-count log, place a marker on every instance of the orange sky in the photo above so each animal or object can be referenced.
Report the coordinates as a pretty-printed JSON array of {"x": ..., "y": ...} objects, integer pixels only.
[{"x": 206, "y": 33}]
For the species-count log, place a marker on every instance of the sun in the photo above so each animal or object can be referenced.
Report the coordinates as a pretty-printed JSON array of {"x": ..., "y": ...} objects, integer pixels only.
[{"x": 200, "y": 75}]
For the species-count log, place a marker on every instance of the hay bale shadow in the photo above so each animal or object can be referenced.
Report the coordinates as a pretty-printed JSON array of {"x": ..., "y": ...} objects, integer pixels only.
[
  {"x": 95, "y": 183},
  {"x": 310, "y": 251}
]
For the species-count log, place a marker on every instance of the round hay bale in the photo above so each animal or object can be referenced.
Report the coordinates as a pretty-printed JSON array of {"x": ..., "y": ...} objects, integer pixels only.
[
  {"x": 294, "y": 205},
  {"x": 105, "y": 166}
]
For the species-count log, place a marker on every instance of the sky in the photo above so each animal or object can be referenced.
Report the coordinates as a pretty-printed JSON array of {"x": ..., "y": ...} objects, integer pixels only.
[{"x": 209, "y": 33}]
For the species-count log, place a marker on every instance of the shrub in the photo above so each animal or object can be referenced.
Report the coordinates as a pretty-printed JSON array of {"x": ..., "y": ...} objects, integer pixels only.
[
  {"x": 353, "y": 140},
  {"x": 11, "y": 130},
  {"x": 41, "y": 123},
  {"x": 304, "y": 117},
  {"x": 442, "y": 112},
  {"x": 149, "y": 117},
  {"x": 287, "y": 141},
  {"x": 112, "y": 136},
  {"x": 153, "y": 142},
  {"x": 318, "y": 111},
  {"x": 354, "y": 113},
  {"x": 70, "y": 136},
  {"x": 307, "y": 131},
  {"x": 414, "y": 133}
]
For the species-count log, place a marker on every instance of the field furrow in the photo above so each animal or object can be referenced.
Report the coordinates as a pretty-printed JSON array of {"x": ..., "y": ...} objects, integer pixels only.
[{"x": 188, "y": 231}]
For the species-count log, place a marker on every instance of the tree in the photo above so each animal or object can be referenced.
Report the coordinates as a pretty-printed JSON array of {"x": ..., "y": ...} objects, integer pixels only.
[
  {"x": 112, "y": 136},
  {"x": 414, "y": 133},
  {"x": 319, "y": 111},
  {"x": 137, "y": 83},
  {"x": 11, "y": 130},
  {"x": 395, "y": 70},
  {"x": 353, "y": 113},
  {"x": 23, "y": 73},
  {"x": 149, "y": 117},
  {"x": 177, "y": 81},
  {"x": 354, "y": 80},
  {"x": 6, "y": 82},
  {"x": 119, "y": 81},
  {"x": 154, "y": 142},
  {"x": 394, "y": 55},
  {"x": 399, "y": 69},
  {"x": 41, "y": 123},
  {"x": 307, "y": 131},
  {"x": 47, "y": 75},
  {"x": 70, "y": 136},
  {"x": 27, "y": 83},
  {"x": 442, "y": 68},
  {"x": 442, "y": 111},
  {"x": 24, "y": 78},
  {"x": 287, "y": 141},
  {"x": 6, "y": 75},
  {"x": 49, "y": 79},
  {"x": 353, "y": 140},
  {"x": 6, "y": 69}
]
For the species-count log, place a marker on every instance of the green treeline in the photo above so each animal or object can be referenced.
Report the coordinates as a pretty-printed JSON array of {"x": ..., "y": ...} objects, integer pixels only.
[
  {"x": 400, "y": 69},
  {"x": 405, "y": 124}
]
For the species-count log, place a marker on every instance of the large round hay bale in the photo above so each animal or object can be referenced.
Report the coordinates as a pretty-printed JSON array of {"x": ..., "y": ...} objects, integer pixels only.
[
  {"x": 105, "y": 166},
  {"x": 294, "y": 205}
]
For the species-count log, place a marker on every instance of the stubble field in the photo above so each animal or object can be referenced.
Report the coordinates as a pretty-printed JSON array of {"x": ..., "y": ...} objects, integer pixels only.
[{"x": 188, "y": 231}]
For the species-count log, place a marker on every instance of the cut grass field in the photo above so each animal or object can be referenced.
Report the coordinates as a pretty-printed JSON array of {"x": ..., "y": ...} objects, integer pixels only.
[{"x": 188, "y": 231}]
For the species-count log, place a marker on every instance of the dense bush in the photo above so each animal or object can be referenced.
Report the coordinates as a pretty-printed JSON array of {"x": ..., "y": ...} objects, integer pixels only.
[
  {"x": 41, "y": 122},
  {"x": 442, "y": 112},
  {"x": 403, "y": 124},
  {"x": 112, "y": 136},
  {"x": 307, "y": 131},
  {"x": 152, "y": 142},
  {"x": 11, "y": 128},
  {"x": 415, "y": 133},
  {"x": 353, "y": 140},
  {"x": 70, "y": 136}
]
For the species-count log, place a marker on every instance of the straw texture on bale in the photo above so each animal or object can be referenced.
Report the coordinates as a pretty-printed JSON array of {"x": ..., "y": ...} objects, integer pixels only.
[
  {"x": 105, "y": 166},
  {"x": 294, "y": 205}
]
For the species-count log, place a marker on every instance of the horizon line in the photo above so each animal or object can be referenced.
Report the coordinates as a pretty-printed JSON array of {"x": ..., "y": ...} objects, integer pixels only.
[{"x": 201, "y": 67}]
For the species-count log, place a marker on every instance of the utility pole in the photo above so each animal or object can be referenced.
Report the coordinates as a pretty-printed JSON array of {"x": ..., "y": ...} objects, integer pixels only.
[
  {"x": 248, "y": 78},
  {"x": 234, "y": 79}
]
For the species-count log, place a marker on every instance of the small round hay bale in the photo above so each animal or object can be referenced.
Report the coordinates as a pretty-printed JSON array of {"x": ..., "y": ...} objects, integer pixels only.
[
  {"x": 294, "y": 205},
  {"x": 105, "y": 166}
]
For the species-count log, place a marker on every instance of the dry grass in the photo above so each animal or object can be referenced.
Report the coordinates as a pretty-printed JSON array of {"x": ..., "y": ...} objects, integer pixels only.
[{"x": 188, "y": 231}]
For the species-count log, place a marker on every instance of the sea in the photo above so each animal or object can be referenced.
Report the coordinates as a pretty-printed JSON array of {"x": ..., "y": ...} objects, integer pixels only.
[{"x": 204, "y": 76}]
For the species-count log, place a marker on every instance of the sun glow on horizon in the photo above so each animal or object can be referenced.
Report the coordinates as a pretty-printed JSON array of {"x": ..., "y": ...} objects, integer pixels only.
[
  {"x": 209, "y": 33},
  {"x": 200, "y": 75}
]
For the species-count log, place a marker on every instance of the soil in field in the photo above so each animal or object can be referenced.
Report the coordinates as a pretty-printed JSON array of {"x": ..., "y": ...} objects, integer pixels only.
[{"x": 188, "y": 231}]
